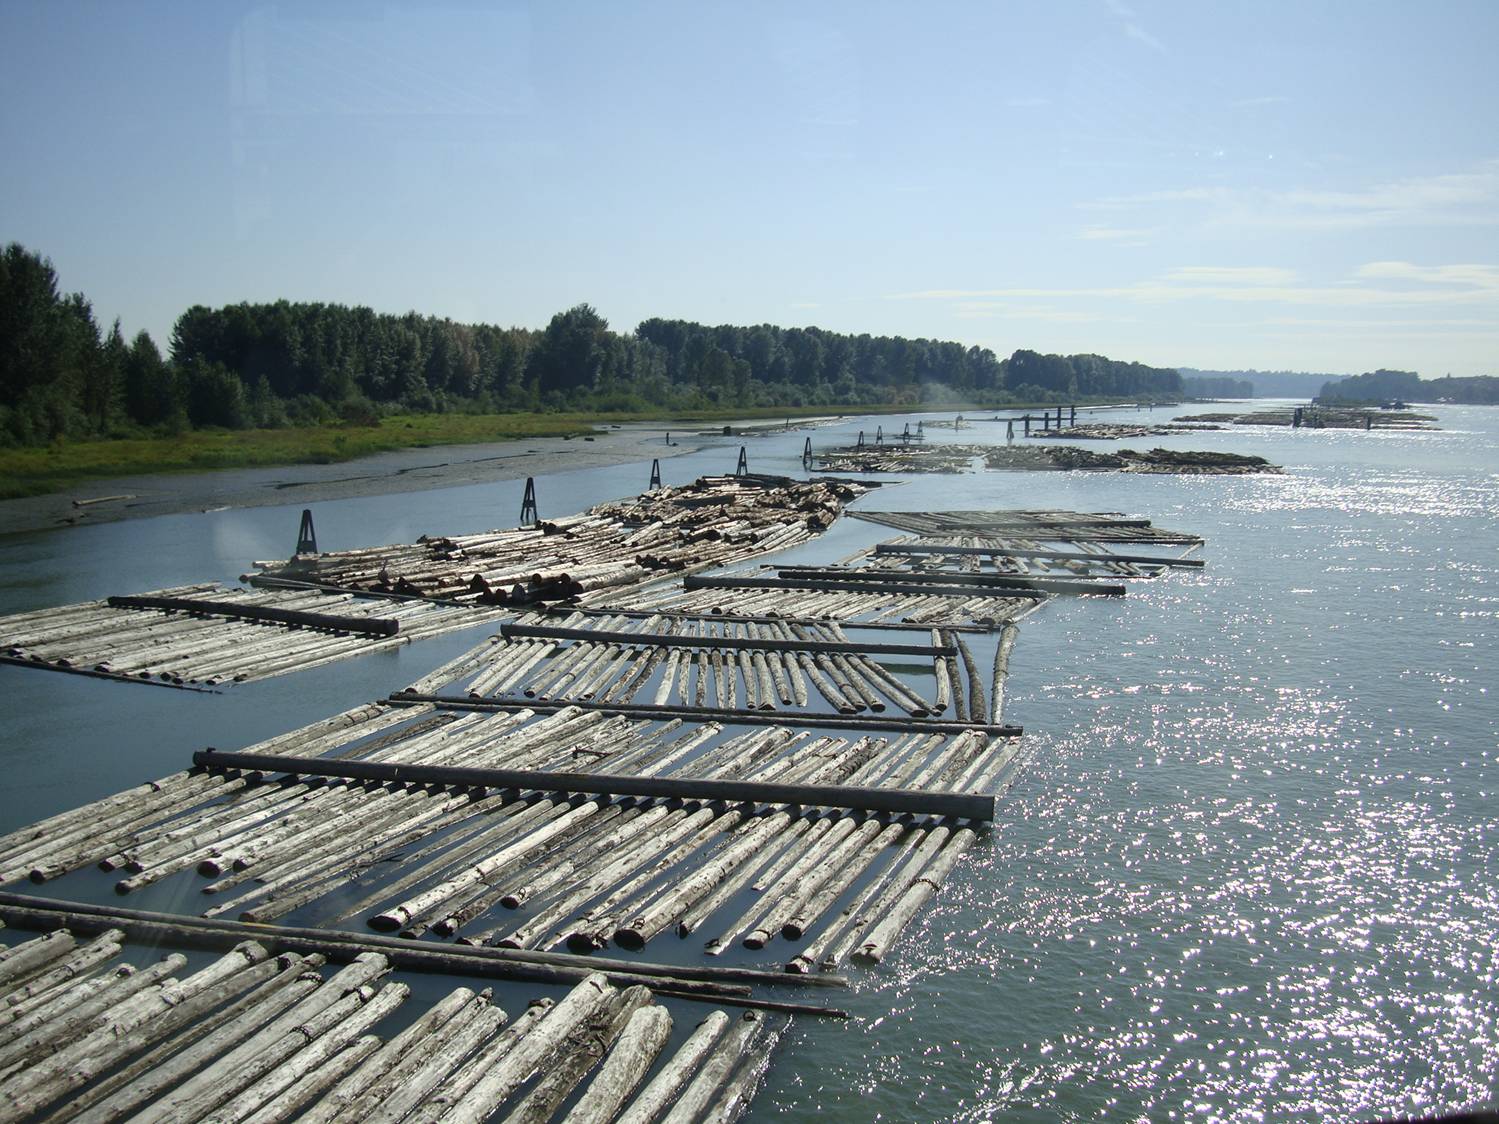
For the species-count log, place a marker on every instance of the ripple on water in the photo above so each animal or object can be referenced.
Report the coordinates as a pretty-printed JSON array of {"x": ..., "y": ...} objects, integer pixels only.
[{"x": 1249, "y": 870}]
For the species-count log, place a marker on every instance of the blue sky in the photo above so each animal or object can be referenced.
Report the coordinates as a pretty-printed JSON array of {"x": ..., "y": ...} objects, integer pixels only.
[{"x": 1311, "y": 186}]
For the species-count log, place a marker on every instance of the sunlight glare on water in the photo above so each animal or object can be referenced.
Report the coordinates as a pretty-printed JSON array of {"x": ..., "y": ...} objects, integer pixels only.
[{"x": 1248, "y": 872}]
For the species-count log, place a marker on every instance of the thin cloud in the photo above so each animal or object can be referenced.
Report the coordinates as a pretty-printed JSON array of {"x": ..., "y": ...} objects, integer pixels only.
[
  {"x": 1232, "y": 275},
  {"x": 1476, "y": 276},
  {"x": 1005, "y": 310},
  {"x": 1464, "y": 285},
  {"x": 1454, "y": 199}
]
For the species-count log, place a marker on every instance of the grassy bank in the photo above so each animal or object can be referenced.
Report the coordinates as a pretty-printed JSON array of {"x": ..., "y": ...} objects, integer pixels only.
[
  {"x": 31, "y": 472},
  {"x": 54, "y": 468},
  {"x": 63, "y": 465}
]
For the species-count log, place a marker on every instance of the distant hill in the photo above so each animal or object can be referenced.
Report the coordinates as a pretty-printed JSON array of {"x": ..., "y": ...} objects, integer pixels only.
[
  {"x": 1269, "y": 384},
  {"x": 1407, "y": 386}
]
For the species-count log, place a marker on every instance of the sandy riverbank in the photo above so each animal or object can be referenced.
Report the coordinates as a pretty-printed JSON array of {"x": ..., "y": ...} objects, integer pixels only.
[
  {"x": 117, "y": 498},
  {"x": 405, "y": 470}
]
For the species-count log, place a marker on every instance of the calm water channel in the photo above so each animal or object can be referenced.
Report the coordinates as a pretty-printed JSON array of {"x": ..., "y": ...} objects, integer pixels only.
[{"x": 1248, "y": 871}]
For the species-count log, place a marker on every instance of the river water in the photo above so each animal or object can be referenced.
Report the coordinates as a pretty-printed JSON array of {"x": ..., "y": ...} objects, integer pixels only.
[{"x": 1248, "y": 870}]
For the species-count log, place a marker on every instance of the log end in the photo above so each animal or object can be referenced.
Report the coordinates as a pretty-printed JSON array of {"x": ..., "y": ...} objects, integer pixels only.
[
  {"x": 631, "y": 940},
  {"x": 384, "y": 922}
]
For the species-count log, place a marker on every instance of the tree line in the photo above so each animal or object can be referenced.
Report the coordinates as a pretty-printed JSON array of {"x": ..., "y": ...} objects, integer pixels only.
[
  {"x": 1216, "y": 386},
  {"x": 272, "y": 364},
  {"x": 1407, "y": 386}
]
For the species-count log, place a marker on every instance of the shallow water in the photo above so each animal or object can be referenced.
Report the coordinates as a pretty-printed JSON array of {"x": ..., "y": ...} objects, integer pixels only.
[{"x": 1247, "y": 871}]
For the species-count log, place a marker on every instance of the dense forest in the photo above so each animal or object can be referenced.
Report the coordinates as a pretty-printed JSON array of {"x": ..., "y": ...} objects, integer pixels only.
[
  {"x": 1407, "y": 386},
  {"x": 1270, "y": 384},
  {"x": 1221, "y": 386},
  {"x": 268, "y": 365}
]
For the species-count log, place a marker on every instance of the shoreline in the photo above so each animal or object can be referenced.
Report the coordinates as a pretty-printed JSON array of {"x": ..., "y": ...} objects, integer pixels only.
[{"x": 144, "y": 496}]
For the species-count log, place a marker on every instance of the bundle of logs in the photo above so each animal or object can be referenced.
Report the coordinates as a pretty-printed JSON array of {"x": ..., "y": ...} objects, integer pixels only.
[
  {"x": 1113, "y": 431},
  {"x": 714, "y": 521},
  {"x": 728, "y": 755},
  {"x": 900, "y": 458},
  {"x": 1068, "y": 457},
  {"x": 253, "y": 1036},
  {"x": 211, "y": 634},
  {"x": 1324, "y": 417},
  {"x": 706, "y": 664},
  {"x": 1031, "y": 525},
  {"x": 540, "y": 863}
]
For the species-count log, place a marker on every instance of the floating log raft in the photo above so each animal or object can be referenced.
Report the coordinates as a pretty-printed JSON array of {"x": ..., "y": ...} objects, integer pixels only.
[
  {"x": 1035, "y": 526},
  {"x": 262, "y": 1037},
  {"x": 520, "y": 867},
  {"x": 852, "y": 604},
  {"x": 994, "y": 551},
  {"x": 211, "y": 635},
  {"x": 1156, "y": 461},
  {"x": 700, "y": 754},
  {"x": 731, "y": 671},
  {"x": 714, "y": 521},
  {"x": 1110, "y": 431},
  {"x": 895, "y": 457},
  {"x": 1325, "y": 417}
]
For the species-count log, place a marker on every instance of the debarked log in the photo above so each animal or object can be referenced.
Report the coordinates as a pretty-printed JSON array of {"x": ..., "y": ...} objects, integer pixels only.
[
  {"x": 676, "y": 640},
  {"x": 848, "y": 585},
  {"x": 842, "y": 721},
  {"x": 1003, "y": 584},
  {"x": 961, "y": 805},
  {"x": 367, "y": 626},
  {"x": 911, "y": 550}
]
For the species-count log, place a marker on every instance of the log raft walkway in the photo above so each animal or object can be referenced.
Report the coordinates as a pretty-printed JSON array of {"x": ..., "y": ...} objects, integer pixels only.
[{"x": 791, "y": 763}]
